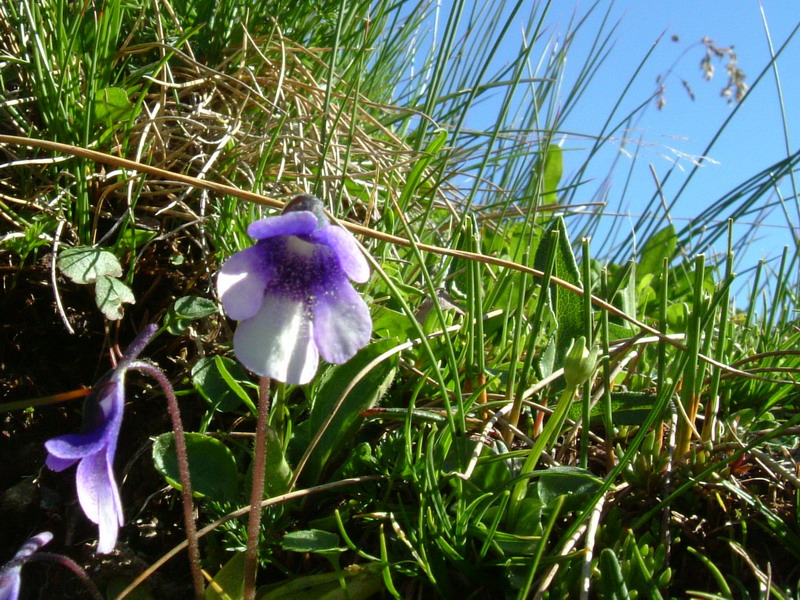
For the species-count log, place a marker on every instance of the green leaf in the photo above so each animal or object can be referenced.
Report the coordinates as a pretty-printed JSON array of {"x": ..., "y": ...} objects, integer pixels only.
[
  {"x": 278, "y": 473},
  {"x": 551, "y": 174},
  {"x": 85, "y": 264},
  {"x": 387, "y": 323},
  {"x": 365, "y": 394},
  {"x": 678, "y": 317},
  {"x": 187, "y": 309},
  {"x": 212, "y": 467},
  {"x": 567, "y": 306},
  {"x": 362, "y": 582},
  {"x": 133, "y": 237},
  {"x": 111, "y": 105},
  {"x": 415, "y": 178},
  {"x": 118, "y": 583},
  {"x": 311, "y": 540},
  {"x": 628, "y": 408},
  {"x": 659, "y": 246},
  {"x": 612, "y": 581},
  {"x": 560, "y": 480},
  {"x": 622, "y": 293},
  {"x": 228, "y": 583},
  {"x": 110, "y": 294},
  {"x": 212, "y": 385}
]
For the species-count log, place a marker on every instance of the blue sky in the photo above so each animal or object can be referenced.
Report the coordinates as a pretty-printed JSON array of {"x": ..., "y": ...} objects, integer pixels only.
[
  {"x": 755, "y": 137},
  {"x": 684, "y": 127}
]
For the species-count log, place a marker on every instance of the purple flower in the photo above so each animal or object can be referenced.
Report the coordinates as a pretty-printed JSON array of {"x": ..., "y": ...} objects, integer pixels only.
[
  {"x": 292, "y": 295},
  {"x": 93, "y": 449},
  {"x": 11, "y": 572}
]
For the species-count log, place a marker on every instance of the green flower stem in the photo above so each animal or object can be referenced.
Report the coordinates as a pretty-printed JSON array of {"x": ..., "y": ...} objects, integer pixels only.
[
  {"x": 550, "y": 432},
  {"x": 579, "y": 364}
]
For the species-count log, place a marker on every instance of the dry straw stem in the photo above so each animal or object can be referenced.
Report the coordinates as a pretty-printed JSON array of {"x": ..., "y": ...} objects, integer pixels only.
[
  {"x": 270, "y": 112},
  {"x": 222, "y": 188}
]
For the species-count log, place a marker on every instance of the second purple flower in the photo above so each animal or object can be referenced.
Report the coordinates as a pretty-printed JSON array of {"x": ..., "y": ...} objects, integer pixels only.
[
  {"x": 94, "y": 447},
  {"x": 292, "y": 295}
]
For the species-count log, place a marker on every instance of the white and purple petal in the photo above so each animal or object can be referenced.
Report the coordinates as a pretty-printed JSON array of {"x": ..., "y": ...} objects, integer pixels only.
[
  {"x": 347, "y": 250},
  {"x": 241, "y": 282},
  {"x": 342, "y": 323},
  {"x": 278, "y": 341},
  {"x": 99, "y": 497},
  {"x": 10, "y": 581},
  {"x": 291, "y": 294},
  {"x": 301, "y": 222}
]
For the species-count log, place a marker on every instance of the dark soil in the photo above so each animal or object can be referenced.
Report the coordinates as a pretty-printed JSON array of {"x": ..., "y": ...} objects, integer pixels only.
[{"x": 39, "y": 357}]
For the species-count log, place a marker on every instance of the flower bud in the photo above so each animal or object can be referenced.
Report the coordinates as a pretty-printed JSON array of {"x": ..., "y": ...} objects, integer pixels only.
[
  {"x": 311, "y": 204},
  {"x": 579, "y": 363}
]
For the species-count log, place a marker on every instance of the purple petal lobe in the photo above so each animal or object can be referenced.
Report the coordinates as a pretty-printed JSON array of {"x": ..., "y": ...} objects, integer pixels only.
[
  {"x": 293, "y": 223},
  {"x": 347, "y": 250},
  {"x": 32, "y": 544},
  {"x": 74, "y": 446},
  {"x": 99, "y": 498},
  {"x": 11, "y": 572},
  {"x": 10, "y": 582},
  {"x": 59, "y": 464},
  {"x": 278, "y": 341},
  {"x": 104, "y": 413},
  {"x": 241, "y": 283},
  {"x": 95, "y": 448},
  {"x": 342, "y": 324}
]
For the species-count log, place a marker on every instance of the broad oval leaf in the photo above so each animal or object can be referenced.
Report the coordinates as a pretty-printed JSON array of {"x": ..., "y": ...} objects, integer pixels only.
[
  {"x": 212, "y": 467},
  {"x": 112, "y": 105},
  {"x": 228, "y": 583}
]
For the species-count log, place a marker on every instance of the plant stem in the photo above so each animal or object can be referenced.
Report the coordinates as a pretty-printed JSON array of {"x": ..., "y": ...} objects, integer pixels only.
[
  {"x": 256, "y": 492},
  {"x": 550, "y": 432},
  {"x": 72, "y": 566},
  {"x": 183, "y": 469}
]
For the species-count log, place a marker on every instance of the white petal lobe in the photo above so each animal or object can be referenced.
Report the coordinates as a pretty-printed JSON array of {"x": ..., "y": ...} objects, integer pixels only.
[
  {"x": 241, "y": 283},
  {"x": 278, "y": 341}
]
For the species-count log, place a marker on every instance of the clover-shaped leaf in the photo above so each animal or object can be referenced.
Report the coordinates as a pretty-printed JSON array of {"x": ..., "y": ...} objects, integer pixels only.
[
  {"x": 110, "y": 294},
  {"x": 84, "y": 264}
]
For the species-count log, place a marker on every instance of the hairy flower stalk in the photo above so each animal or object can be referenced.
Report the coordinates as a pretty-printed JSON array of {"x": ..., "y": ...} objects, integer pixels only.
[
  {"x": 94, "y": 449},
  {"x": 292, "y": 296}
]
